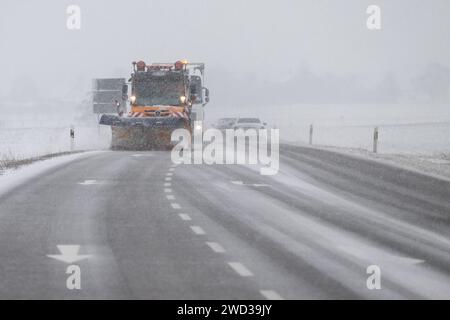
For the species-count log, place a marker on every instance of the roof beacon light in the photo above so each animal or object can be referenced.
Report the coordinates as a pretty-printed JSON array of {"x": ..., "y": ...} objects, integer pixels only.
[
  {"x": 179, "y": 65},
  {"x": 140, "y": 66}
]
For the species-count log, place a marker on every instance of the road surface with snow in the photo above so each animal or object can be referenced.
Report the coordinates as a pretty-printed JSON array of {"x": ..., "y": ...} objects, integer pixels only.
[{"x": 150, "y": 229}]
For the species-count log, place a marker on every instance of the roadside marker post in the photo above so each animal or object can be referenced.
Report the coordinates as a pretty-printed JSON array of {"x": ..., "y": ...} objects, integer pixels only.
[
  {"x": 375, "y": 140},
  {"x": 72, "y": 138},
  {"x": 311, "y": 129}
]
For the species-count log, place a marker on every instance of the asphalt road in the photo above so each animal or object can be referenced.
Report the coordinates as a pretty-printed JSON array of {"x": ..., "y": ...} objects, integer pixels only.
[{"x": 154, "y": 230}]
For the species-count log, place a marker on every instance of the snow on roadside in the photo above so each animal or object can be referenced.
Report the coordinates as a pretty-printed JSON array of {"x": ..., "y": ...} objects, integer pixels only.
[
  {"x": 437, "y": 166},
  {"x": 11, "y": 178}
]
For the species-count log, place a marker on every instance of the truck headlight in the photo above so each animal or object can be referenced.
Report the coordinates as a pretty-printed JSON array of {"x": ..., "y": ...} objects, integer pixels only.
[
  {"x": 183, "y": 99},
  {"x": 133, "y": 99}
]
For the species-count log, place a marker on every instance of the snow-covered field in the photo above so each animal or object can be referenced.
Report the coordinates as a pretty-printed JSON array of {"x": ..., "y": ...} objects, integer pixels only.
[
  {"x": 427, "y": 139},
  {"x": 424, "y": 139},
  {"x": 39, "y": 128},
  {"x": 403, "y": 128},
  {"x": 20, "y": 143}
]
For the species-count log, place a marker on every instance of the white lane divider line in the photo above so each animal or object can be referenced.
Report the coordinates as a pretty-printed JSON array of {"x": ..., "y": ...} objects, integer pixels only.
[
  {"x": 175, "y": 205},
  {"x": 168, "y": 190},
  {"x": 185, "y": 217},
  {"x": 198, "y": 230},
  {"x": 88, "y": 182},
  {"x": 216, "y": 247},
  {"x": 167, "y": 184},
  {"x": 168, "y": 179},
  {"x": 271, "y": 295},
  {"x": 240, "y": 269},
  {"x": 170, "y": 197},
  {"x": 169, "y": 174}
]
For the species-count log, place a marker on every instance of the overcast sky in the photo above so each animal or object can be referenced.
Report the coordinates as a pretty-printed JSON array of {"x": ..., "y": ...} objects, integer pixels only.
[{"x": 252, "y": 39}]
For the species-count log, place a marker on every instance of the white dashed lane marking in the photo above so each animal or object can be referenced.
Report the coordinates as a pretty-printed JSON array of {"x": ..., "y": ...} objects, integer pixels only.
[
  {"x": 168, "y": 190},
  {"x": 167, "y": 184},
  {"x": 198, "y": 230},
  {"x": 216, "y": 247},
  {"x": 271, "y": 295},
  {"x": 168, "y": 179},
  {"x": 88, "y": 182},
  {"x": 240, "y": 269},
  {"x": 169, "y": 174},
  {"x": 240, "y": 183},
  {"x": 175, "y": 205},
  {"x": 170, "y": 197},
  {"x": 172, "y": 169},
  {"x": 185, "y": 216}
]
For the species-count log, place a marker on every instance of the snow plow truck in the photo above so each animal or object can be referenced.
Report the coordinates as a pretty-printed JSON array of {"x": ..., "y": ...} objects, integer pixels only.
[{"x": 164, "y": 97}]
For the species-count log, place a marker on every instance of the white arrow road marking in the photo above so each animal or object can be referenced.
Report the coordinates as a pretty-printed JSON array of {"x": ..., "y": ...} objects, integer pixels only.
[
  {"x": 216, "y": 247},
  {"x": 271, "y": 295},
  {"x": 69, "y": 254},
  {"x": 88, "y": 182},
  {"x": 240, "y": 269},
  {"x": 240, "y": 183}
]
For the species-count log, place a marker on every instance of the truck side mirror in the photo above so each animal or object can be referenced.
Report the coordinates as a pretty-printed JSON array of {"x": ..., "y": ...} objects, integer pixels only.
[
  {"x": 206, "y": 95},
  {"x": 125, "y": 92}
]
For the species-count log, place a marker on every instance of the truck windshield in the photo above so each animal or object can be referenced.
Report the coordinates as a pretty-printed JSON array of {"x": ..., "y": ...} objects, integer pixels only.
[{"x": 158, "y": 91}]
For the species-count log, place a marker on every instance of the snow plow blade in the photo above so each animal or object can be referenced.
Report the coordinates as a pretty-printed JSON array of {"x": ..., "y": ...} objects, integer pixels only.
[
  {"x": 147, "y": 122},
  {"x": 147, "y": 133}
]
